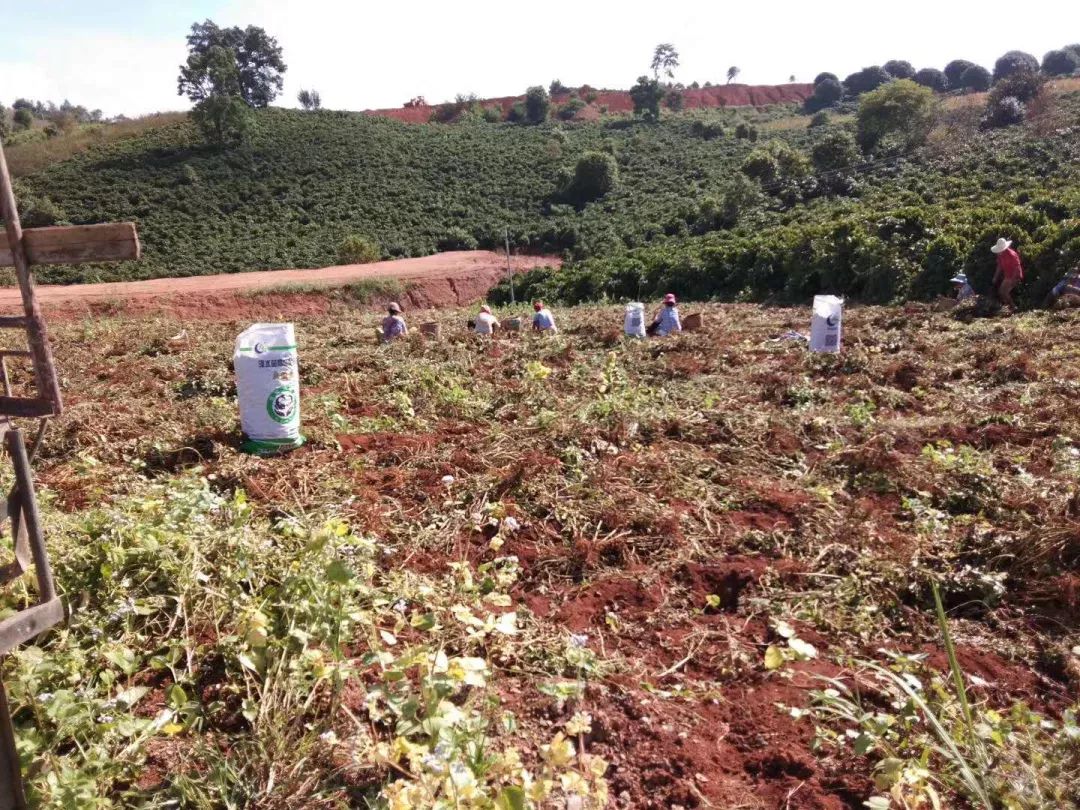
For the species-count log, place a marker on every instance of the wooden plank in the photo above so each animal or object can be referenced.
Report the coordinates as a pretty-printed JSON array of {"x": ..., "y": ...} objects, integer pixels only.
[
  {"x": 24, "y": 406},
  {"x": 75, "y": 244}
]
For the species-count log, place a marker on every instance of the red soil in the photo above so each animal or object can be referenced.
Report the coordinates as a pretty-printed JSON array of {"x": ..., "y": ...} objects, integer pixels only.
[
  {"x": 441, "y": 280},
  {"x": 618, "y": 101}
]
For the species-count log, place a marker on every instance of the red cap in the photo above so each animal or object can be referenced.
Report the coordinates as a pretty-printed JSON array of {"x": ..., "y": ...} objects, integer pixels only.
[{"x": 669, "y": 298}]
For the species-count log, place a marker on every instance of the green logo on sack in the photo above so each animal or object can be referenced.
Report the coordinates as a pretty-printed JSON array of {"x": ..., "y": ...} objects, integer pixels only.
[{"x": 281, "y": 405}]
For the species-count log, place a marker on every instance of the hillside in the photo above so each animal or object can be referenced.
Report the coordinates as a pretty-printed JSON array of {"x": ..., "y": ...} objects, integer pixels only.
[
  {"x": 306, "y": 180},
  {"x": 619, "y": 101},
  {"x": 681, "y": 216}
]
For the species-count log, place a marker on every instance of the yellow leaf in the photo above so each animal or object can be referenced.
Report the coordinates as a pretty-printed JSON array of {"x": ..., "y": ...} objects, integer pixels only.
[{"x": 774, "y": 658}]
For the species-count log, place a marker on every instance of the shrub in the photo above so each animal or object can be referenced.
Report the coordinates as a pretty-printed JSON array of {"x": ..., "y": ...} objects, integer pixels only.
[
  {"x": 836, "y": 150},
  {"x": 223, "y": 119},
  {"x": 1024, "y": 85},
  {"x": 517, "y": 113},
  {"x": 1004, "y": 112},
  {"x": 1014, "y": 62},
  {"x": 595, "y": 174},
  {"x": 1074, "y": 49},
  {"x": 1060, "y": 63},
  {"x": 5, "y": 127},
  {"x": 537, "y": 105},
  {"x": 932, "y": 78},
  {"x": 976, "y": 78},
  {"x": 826, "y": 75},
  {"x": 776, "y": 161},
  {"x": 866, "y": 80},
  {"x": 899, "y": 69},
  {"x": 569, "y": 110},
  {"x": 356, "y": 249},
  {"x": 453, "y": 239},
  {"x": 493, "y": 115},
  {"x": 746, "y": 132},
  {"x": 819, "y": 119},
  {"x": 900, "y": 109},
  {"x": 674, "y": 99},
  {"x": 955, "y": 70},
  {"x": 761, "y": 165},
  {"x": 826, "y": 93},
  {"x": 23, "y": 119},
  {"x": 557, "y": 88},
  {"x": 646, "y": 95}
]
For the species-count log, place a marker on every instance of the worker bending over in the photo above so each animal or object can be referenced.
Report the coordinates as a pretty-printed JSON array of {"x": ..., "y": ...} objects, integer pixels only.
[{"x": 543, "y": 320}]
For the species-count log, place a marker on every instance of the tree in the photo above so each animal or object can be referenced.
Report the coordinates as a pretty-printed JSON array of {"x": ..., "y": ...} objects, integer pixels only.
[
  {"x": 1004, "y": 112},
  {"x": 1014, "y": 62},
  {"x": 647, "y": 95},
  {"x": 665, "y": 59},
  {"x": 221, "y": 113},
  {"x": 901, "y": 109},
  {"x": 1074, "y": 49},
  {"x": 776, "y": 161},
  {"x": 826, "y": 75},
  {"x": 537, "y": 105},
  {"x": 557, "y": 88},
  {"x": 955, "y": 69},
  {"x": 257, "y": 55},
  {"x": 22, "y": 118},
  {"x": 309, "y": 99},
  {"x": 826, "y": 93},
  {"x": 356, "y": 249},
  {"x": 1060, "y": 63},
  {"x": 732, "y": 74},
  {"x": 1024, "y": 85},
  {"x": 932, "y": 78},
  {"x": 976, "y": 78},
  {"x": 595, "y": 174},
  {"x": 899, "y": 69},
  {"x": 865, "y": 80},
  {"x": 5, "y": 127},
  {"x": 836, "y": 150}
]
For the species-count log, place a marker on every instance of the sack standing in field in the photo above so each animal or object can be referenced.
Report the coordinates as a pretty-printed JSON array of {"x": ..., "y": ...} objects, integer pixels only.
[
  {"x": 826, "y": 323},
  {"x": 268, "y": 388},
  {"x": 634, "y": 321}
]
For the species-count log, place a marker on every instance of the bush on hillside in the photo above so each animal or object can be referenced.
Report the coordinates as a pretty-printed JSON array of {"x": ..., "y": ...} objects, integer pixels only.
[
  {"x": 22, "y": 119},
  {"x": 1004, "y": 111},
  {"x": 827, "y": 92},
  {"x": 557, "y": 88},
  {"x": 5, "y": 127},
  {"x": 866, "y": 80},
  {"x": 516, "y": 115},
  {"x": 955, "y": 70},
  {"x": 674, "y": 99},
  {"x": 776, "y": 161},
  {"x": 818, "y": 119},
  {"x": 746, "y": 132},
  {"x": 1014, "y": 62},
  {"x": 355, "y": 249},
  {"x": 595, "y": 174},
  {"x": 223, "y": 119},
  {"x": 537, "y": 105},
  {"x": 569, "y": 110},
  {"x": 932, "y": 78},
  {"x": 835, "y": 151},
  {"x": 1060, "y": 63},
  {"x": 1074, "y": 49},
  {"x": 647, "y": 94},
  {"x": 1024, "y": 85},
  {"x": 976, "y": 79},
  {"x": 825, "y": 75},
  {"x": 899, "y": 69},
  {"x": 900, "y": 111}
]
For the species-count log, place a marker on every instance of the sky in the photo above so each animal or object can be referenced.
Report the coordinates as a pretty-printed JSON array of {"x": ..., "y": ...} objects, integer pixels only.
[{"x": 122, "y": 56}]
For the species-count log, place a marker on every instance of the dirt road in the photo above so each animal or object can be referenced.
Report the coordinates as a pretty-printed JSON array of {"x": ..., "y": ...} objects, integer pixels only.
[{"x": 440, "y": 280}]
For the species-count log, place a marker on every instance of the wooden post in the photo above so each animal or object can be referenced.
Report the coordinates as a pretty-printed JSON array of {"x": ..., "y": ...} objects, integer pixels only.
[
  {"x": 47, "y": 384},
  {"x": 509, "y": 272}
]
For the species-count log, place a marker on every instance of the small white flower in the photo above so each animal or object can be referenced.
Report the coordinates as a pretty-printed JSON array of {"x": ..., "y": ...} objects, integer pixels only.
[
  {"x": 579, "y": 639},
  {"x": 400, "y": 606},
  {"x": 328, "y": 737},
  {"x": 511, "y": 524},
  {"x": 448, "y": 479},
  {"x": 45, "y": 697}
]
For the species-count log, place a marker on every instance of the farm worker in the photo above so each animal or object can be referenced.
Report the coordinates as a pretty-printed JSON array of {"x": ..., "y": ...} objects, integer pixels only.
[
  {"x": 666, "y": 319},
  {"x": 393, "y": 325},
  {"x": 543, "y": 320},
  {"x": 485, "y": 321},
  {"x": 1069, "y": 285},
  {"x": 964, "y": 290},
  {"x": 1009, "y": 271}
]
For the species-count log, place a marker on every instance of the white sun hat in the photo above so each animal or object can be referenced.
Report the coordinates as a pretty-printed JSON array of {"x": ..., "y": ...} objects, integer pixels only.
[
  {"x": 1001, "y": 246},
  {"x": 959, "y": 278}
]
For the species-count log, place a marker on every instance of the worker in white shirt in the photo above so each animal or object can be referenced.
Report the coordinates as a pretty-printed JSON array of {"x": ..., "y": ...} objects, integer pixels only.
[{"x": 486, "y": 323}]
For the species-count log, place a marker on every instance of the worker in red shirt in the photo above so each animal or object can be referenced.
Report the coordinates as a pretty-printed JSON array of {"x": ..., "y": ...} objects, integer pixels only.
[{"x": 1009, "y": 271}]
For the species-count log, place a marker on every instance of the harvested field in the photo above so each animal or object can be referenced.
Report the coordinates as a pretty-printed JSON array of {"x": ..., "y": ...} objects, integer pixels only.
[{"x": 695, "y": 572}]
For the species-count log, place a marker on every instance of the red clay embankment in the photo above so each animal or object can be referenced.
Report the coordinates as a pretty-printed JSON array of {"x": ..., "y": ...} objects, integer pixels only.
[
  {"x": 441, "y": 280},
  {"x": 619, "y": 101}
]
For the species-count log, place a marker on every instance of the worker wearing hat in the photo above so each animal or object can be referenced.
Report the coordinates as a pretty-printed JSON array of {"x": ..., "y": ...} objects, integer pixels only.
[
  {"x": 543, "y": 320},
  {"x": 393, "y": 325},
  {"x": 486, "y": 323},
  {"x": 666, "y": 321},
  {"x": 1009, "y": 271},
  {"x": 964, "y": 290}
]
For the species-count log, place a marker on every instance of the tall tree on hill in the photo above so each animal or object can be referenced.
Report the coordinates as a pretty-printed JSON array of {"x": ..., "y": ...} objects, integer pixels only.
[
  {"x": 665, "y": 59},
  {"x": 732, "y": 74},
  {"x": 221, "y": 112},
  {"x": 256, "y": 54},
  {"x": 309, "y": 99}
]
